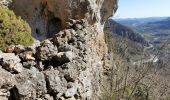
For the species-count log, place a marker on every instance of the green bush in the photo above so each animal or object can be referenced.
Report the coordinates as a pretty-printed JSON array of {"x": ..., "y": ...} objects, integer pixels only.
[{"x": 13, "y": 30}]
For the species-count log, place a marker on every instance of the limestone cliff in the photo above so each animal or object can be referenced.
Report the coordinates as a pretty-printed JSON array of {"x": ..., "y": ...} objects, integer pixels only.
[
  {"x": 70, "y": 65},
  {"x": 48, "y": 17}
]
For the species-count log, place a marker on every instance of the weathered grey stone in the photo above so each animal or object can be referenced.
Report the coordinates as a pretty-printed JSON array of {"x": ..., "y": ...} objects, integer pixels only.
[
  {"x": 18, "y": 68},
  {"x": 40, "y": 65},
  {"x": 3, "y": 98},
  {"x": 10, "y": 62},
  {"x": 55, "y": 83},
  {"x": 8, "y": 58},
  {"x": 78, "y": 27},
  {"x": 72, "y": 91},
  {"x": 30, "y": 84},
  {"x": 26, "y": 56},
  {"x": 36, "y": 44},
  {"x": 29, "y": 64},
  {"x": 6, "y": 83},
  {"x": 80, "y": 33},
  {"x": 4, "y": 94},
  {"x": 65, "y": 57},
  {"x": 62, "y": 38},
  {"x": 48, "y": 97},
  {"x": 6, "y": 79},
  {"x": 46, "y": 51}
]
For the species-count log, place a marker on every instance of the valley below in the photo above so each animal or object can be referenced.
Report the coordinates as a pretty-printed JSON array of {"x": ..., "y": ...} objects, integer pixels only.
[{"x": 144, "y": 45}]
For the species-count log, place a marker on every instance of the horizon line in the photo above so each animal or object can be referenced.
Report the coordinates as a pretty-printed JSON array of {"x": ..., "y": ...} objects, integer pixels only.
[{"x": 139, "y": 17}]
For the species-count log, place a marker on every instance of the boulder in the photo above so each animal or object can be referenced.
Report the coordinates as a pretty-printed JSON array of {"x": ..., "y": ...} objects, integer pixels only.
[
  {"x": 30, "y": 84},
  {"x": 26, "y": 56},
  {"x": 65, "y": 57},
  {"x": 56, "y": 83},
  {"x": 48, "y": 97},
  {"x": 29, "y": 64},
  {"x": 72, "y": 90},
  {"x": 18, "y": 68},
  {"x": 46, "y": 51},
  {"x": 10, "y": 62},
  {"x": 62, "y": 38},
  {"x": 7, "y": 82}
]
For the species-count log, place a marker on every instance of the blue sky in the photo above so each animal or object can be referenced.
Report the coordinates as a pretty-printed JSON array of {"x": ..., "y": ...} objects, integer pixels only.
[{"x": 143, "y": 8}]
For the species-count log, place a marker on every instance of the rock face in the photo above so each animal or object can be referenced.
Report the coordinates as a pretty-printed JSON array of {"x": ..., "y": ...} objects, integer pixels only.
[
  {"x": 47, "y": 17},
  {"x": 68, "y": 66}
]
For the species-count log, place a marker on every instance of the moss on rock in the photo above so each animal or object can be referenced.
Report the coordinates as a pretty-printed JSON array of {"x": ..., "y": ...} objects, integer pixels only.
[{"x": 13, "y": 30}]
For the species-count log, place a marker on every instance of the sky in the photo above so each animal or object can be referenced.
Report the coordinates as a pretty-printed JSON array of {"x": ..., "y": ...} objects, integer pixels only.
[{"x": 143, "y": 8}]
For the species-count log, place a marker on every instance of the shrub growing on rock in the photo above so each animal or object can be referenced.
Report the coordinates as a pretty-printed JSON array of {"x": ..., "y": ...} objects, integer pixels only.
[{"x": 13, "y": 30}]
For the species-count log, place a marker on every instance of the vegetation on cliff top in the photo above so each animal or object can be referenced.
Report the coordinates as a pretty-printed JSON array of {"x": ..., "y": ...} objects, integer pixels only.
[{"x": 13, "y": 30}]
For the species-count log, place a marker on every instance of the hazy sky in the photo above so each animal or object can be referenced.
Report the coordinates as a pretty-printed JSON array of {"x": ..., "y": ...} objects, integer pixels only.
[{"x": 143, "y": 8}]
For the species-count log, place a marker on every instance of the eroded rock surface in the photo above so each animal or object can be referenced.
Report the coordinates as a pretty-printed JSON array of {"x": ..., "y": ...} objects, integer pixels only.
[
  {"x": 67, "y": 66},
  {"x": 47, "y": 17}
]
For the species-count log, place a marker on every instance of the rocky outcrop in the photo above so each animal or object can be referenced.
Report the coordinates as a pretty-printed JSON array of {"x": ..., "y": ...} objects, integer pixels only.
[
  {"x": 47, "y": 17},
  {"x": 64, "y": 67},
  {"x": 68, "y": 66}
]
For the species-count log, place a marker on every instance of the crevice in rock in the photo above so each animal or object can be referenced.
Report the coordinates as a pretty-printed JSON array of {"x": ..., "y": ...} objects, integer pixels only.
[
  {"x": 53, "y": 63},
  {"x": 37, "y": 31},
  {"x": 54, "y": 26},
  {"x": 49, "y": 90},
  {"x": 53, "y": 23},
  {"x": 69, "y": 78},
  {"x": 14, "y": 95}
]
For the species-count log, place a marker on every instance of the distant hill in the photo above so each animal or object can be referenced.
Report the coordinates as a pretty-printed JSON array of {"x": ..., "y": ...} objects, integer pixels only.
[
  {"x": 154, "y": 29},
  {"x": 125, "y": 32},
  {"x": 124, "y": 37},
  {"x": 157, "y": 26},
  {"x": 138, "y": 21},
  {"x": 155, "y": 32}
]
